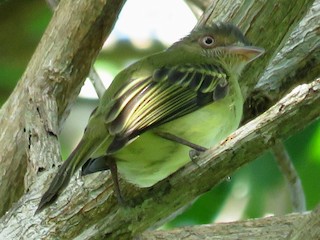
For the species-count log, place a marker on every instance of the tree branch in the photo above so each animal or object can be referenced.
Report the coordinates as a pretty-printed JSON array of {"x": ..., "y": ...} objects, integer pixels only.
[
  {"x": 96, "y": 82},
  {"x": 296, "y": 62},
  {"x": 96, "y": 203},
  {"x": 269, "y": 228},
  {"x": 93, "y": 75},
  {"x": 291, "y": 176},
  {"x": 31, "y": 118},
  {"x": 308, "y": 228}
]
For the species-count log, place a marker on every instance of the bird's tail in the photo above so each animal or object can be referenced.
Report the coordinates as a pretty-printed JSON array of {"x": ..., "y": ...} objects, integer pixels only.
[{"x": 76, "y": 159}]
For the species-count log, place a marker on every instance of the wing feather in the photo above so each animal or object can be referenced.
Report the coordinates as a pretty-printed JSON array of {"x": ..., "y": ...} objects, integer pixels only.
[{"x": 169, "y": 93}]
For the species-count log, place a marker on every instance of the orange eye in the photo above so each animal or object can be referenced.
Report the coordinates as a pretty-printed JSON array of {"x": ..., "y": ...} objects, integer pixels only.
[{"x": 207, "y": 41}]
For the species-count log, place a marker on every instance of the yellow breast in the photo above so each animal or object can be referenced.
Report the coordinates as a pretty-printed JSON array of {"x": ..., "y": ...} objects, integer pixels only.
[{"x": 151, "y": 158}]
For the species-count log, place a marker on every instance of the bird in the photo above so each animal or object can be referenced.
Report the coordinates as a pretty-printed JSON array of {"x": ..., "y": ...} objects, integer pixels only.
[{"x": 160, "y": 108}]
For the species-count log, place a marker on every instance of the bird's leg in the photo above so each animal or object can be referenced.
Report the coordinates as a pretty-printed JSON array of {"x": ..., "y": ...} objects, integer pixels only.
[
  {"x": 101, "y": 164},
  {"x": 193, "y": 153},
  {"x": 179, "y": 140},
  {"x": 114, "y": 174}
]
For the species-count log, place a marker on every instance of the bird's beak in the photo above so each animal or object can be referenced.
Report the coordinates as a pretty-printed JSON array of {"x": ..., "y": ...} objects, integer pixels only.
[{"x": 249, "y": 53}]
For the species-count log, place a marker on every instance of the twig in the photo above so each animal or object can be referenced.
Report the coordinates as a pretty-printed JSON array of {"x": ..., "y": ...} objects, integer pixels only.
[
  {"x": 52, "y": 4},
  {"x": 96, "y": 82},
  {"x": 289, "y": 172}
]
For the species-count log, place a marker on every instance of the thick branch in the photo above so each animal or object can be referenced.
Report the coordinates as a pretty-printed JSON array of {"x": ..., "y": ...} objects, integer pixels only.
[
  {"x": 298, "y": 61},
  {"x": 93, "y": 75},
  {"x": 31, "y": 118},
  {"x": 269, "y": 228},
  {"x": 309, "y": 228}
]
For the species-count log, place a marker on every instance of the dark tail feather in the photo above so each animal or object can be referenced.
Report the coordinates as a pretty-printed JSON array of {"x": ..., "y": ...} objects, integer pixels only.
[
  {"x": 95, "y": 165},
  {"x": 76, "y": 159}
]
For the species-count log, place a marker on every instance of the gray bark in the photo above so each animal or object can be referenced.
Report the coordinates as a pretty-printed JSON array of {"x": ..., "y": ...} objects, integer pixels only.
[{"x": 269, "y": 228}]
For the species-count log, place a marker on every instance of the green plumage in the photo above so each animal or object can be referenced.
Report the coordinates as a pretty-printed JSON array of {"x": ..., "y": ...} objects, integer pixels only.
[{"x": 190, "y": 90}]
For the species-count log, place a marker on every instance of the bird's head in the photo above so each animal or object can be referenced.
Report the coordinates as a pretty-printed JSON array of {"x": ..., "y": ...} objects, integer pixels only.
[{"x": 220, "y": 42}]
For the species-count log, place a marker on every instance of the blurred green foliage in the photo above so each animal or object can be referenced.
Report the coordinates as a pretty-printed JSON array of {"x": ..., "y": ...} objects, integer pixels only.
[
  {"x": 254, "y": 191},
  {"x": 21, "y": 26}
]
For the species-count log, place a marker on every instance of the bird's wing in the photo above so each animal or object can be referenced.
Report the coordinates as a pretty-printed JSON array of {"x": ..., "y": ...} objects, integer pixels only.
[{"x": 169, "y": 93}]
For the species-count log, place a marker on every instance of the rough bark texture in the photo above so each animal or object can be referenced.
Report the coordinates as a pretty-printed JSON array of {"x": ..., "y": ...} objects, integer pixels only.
[
  {"x": 298, "y": 61},
  {"x": 308, "y": 228},
  {"x": 32, "y": 118},
  {"x": 98, "y": 215},
  {"x": 269, "y": 228}
]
